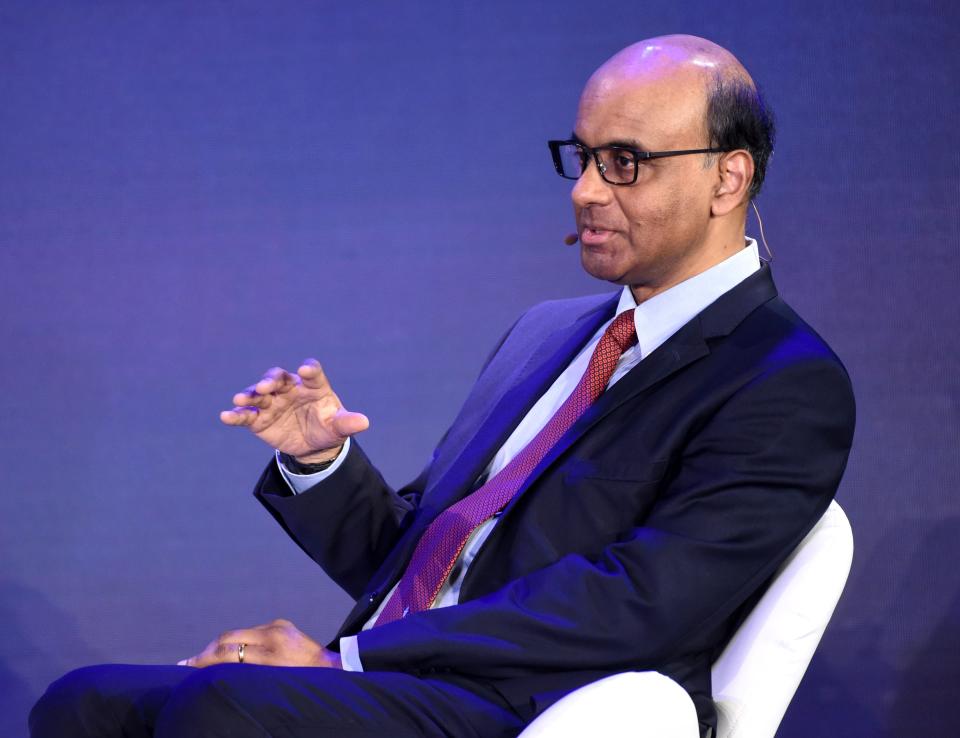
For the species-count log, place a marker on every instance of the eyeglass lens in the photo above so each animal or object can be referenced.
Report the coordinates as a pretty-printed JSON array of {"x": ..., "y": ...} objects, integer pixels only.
[{"x": 618, "y": 166}]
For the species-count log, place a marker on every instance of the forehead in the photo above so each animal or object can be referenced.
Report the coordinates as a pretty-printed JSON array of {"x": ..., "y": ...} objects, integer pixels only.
[{"x": 654, "y": 110}]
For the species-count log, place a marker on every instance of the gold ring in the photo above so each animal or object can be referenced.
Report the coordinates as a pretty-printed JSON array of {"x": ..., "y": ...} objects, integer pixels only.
[{"x": 240, "y": 649}]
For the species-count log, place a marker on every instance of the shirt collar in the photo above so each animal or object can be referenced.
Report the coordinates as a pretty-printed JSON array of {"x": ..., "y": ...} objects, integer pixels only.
[{"x": 663, "y": 315}]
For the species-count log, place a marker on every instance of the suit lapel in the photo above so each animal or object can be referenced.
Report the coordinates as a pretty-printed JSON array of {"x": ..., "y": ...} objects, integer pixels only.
[
  {"x": 684, "y": 347},
  {"x": 526, "y": 386}
]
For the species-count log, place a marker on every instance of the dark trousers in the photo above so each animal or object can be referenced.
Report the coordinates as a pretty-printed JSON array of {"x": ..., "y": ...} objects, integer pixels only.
[{"x": 241, "y": 700}]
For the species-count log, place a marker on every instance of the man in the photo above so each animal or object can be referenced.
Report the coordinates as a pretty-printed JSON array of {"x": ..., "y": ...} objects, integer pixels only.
[{"x": 621, "y": 482}]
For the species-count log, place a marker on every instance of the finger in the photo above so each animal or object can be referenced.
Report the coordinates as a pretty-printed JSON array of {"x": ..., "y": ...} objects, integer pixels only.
[
  {"x": 252, "y": 654},
  {"x": 312, "y": 375},
  {"x": 346, "y": 423},
  {"x": 282, "y": 654},
  {"x": 223, "y": 652},
  {"x": 201, "y": 658},
  {"x": 220, "y": 649},
  {"x": 251, "y": 398},
  {"x": 276, "y": 380},
  {"x": 239, "y": 416},
  {"x": 216, "y": 653}
]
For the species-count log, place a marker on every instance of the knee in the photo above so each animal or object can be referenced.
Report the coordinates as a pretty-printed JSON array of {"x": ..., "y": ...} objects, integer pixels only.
[
  {"x": 209, "y": 702},
  {"x": 72, "y": 706}
]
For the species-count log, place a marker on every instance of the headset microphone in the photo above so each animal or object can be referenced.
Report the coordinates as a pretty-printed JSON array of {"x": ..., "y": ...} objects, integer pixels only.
[{"x": 570, "y": 239}]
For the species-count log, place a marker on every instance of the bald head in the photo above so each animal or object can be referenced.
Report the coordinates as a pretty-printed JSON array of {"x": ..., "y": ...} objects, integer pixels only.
[
  {"x": 676, "y": 55},
  {"x": 695, "y": 82}
]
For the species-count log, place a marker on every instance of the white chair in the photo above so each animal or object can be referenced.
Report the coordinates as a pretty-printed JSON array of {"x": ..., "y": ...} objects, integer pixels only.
[{"x": 754, "y": 678}]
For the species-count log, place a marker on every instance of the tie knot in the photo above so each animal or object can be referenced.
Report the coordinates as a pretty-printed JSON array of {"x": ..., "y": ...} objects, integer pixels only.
[{"x": 623, "y": 330}]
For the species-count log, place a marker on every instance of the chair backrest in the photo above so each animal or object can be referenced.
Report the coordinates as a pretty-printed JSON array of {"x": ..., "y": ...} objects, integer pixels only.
[{"x": 758, "y": 672}]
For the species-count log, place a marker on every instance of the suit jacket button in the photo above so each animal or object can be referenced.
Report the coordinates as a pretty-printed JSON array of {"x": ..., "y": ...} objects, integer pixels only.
[{"x": 373, "y": 596}]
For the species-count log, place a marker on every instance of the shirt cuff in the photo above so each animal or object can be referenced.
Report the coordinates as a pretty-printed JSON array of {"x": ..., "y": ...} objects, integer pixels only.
[
  {"x": 350, "y": 654},
  {"x": 302, "y": 482}
]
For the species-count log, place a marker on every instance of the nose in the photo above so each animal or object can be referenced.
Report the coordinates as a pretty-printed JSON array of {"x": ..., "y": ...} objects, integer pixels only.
[{"x": 590, "y": 188}]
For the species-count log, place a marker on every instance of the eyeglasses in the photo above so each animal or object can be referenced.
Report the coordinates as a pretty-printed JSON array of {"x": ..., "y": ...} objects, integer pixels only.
[{"x": 618, "y": 165}]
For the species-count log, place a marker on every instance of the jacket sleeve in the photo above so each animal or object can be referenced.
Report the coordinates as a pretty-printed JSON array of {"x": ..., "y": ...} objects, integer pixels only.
[
  {"x": 347, "y": 523},
  {"x": 750, "y": 483}
]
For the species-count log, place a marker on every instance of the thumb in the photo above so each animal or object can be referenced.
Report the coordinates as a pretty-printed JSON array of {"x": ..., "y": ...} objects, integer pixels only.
[{"x": 346, "y": 423}]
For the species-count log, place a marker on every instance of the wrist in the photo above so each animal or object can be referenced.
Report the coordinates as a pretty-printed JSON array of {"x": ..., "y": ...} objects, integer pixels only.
[
  {"x": 310, "y": 463},
  {"x": 323, "y": 456}
]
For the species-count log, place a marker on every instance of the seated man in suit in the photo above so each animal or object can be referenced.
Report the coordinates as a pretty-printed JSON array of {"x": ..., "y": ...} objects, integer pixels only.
[{"x": 625, "y": 476}]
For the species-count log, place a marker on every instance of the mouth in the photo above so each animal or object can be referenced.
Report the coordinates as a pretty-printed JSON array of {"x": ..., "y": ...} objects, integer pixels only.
[{"x": 595, "y": 236}]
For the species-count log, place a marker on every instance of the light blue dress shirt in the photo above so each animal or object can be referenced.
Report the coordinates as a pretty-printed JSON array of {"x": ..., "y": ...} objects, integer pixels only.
[{"x": 656, "y": 320}]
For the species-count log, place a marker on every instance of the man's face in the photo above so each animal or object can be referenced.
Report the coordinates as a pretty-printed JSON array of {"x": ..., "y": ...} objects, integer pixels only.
[{"x": 651, "y": 234}]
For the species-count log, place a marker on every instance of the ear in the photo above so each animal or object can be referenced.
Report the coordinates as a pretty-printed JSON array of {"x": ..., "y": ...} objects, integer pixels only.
[{"x": 733, "y": 185}]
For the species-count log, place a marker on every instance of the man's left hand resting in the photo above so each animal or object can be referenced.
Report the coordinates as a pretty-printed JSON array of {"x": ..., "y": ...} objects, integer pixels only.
[{"x": 279, "y": 643}]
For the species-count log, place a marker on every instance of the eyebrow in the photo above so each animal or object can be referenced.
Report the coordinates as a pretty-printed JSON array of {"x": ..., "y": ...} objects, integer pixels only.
[{"x": 623, "y": 143}]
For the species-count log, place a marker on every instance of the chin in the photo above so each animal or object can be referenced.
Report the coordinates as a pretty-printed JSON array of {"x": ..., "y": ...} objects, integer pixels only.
[{"x": 602, "y": 266}]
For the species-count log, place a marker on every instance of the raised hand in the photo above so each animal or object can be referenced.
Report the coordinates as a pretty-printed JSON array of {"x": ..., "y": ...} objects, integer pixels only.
[{"x": 299, "y": 414}]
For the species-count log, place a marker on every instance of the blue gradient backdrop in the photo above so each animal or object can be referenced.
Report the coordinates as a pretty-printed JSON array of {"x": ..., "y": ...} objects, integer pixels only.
[{"x": 192, "y": 192}]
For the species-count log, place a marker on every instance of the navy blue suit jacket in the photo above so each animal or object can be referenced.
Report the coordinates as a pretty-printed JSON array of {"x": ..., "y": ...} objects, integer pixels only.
[{"x": 640, "y": 541}]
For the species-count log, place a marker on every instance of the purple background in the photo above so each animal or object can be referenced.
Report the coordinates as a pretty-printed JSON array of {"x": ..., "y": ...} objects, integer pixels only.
[{"x": 193, "y": 192}]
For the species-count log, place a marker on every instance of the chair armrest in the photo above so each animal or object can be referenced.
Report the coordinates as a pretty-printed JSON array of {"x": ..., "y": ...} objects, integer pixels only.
[{"x": 642, "y": 704}]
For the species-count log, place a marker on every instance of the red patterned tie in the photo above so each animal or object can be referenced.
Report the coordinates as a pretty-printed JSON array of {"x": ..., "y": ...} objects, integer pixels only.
[{"x": 444, "y": 539}]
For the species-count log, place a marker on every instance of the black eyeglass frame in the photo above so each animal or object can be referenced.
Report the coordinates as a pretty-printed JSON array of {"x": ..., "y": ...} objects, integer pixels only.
[{"x": 635, "y": 153}]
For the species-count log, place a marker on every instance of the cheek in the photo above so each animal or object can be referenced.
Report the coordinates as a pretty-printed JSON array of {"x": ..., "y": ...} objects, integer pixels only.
[
  {"x": 649, "y": 215},
  {"x": 669, "y": 211}
]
